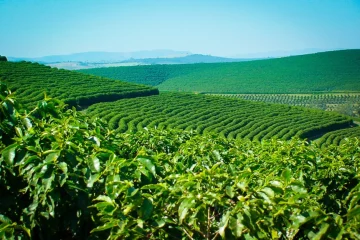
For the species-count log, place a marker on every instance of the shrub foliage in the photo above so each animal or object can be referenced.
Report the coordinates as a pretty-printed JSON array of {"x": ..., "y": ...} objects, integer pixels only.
[{"x": 65, "y": 176}]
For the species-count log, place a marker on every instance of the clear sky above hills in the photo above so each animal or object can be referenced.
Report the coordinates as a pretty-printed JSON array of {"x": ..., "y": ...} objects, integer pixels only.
[{"x": 33, "y": 28}]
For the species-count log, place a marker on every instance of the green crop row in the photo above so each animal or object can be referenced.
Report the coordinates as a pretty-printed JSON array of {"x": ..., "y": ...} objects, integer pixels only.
[
  {"x": 230, "y": 118},
  {"x": 32, "y": 80},
  {"x": 339, "y": 136},
  {"x": 347, "y": 103},
  {"x": 65, "y": 176}
]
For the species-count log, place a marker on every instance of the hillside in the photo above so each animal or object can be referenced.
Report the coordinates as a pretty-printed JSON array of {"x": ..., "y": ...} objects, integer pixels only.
[
  {"x": 230, "y": 118},
  {"x": 152, "y": 75},
  {"x": 32, "y": 80},
  {"x": 319, "y": 72}
]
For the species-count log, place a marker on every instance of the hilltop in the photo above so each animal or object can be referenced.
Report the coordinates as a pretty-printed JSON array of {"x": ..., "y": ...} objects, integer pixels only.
[{"x": 319, "y": 72}]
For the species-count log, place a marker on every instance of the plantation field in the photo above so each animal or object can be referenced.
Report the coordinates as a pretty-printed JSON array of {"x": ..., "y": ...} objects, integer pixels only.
[
  {"x": 152, "y": 75},
  {"x": 65, "y": 176},
  {"x": 321, "y": 72},
  {"x": 230, "y": 118},
  {"x": 31, "y": 80},
  {"x": 339, "y": 136},
  {"x": 346, "y": 103}
]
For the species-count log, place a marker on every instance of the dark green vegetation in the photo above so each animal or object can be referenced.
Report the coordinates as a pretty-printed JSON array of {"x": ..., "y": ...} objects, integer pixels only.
[
  {"x": 3, "y": 59},
  {"x": 64, "y": 176},
  {"x": 320, "y": 72},
  {"x": 231, "y": 118},
  {"x": 345, "y": 103},
  {"x": 149, "y": 74},
  {"x": 338, "y": 137},
  {"x": 32, "y": 80}
]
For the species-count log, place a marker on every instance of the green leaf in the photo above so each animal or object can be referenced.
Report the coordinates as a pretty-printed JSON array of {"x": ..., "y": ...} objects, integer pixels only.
[
  {"x": 236, "y": 226},
  {"x": 106, "y": 226},
  {"x": 160, "y": 223},
  {"x": 9, "y": 153},
  {"x": 324, "y": 228},
  {"x": 184, "y": 207},
  {"x": 18, "y": 132},
  {"x": 92, "y": 180},
  {"x": 4, "y": 219},
  {"x": 298, "y": 187},
  {"x": 355, "y": 212},
  {"x": 63, "y": 167},
  {"x": 104, "y": 198},
  {"x": 94, "y": 164},
  {"x": 27, "y": 123},
  {"x": 132, "y": 191},
  {"x": 147, "y": 163},
  {"x": 286, "y": 175},
  {"x": 223, "y": 224},
  {"x": 146, "y": 209},
  {"x": 52, "y": 157},
  {"x": 269, "y": 192},
  {"x": 95, "y": 140},
  {"x": 229, "y": 191}
]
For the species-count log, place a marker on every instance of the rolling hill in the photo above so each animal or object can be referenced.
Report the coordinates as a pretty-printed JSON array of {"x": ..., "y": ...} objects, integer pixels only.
[
  {"x": 227, "y": 117},
  {"x": 320, "y": 72},
  {"x": 31, "y": 80}
]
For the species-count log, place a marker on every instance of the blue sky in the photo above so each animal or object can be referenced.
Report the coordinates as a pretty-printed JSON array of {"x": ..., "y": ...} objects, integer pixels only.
[{"x": 33, "y": 28}]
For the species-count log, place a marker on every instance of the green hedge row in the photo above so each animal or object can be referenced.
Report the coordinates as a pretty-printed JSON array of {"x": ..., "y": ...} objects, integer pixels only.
[
  {"x": 31, "y": 81},
  {"x": 230, "y": 118}
]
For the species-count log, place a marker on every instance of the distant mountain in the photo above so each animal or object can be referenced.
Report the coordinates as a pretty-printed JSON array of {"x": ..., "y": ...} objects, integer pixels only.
[
  {"x": 189, "y": 59},
  {"x": 104, "y": 57},
  {"x": 194, "y": 58}
]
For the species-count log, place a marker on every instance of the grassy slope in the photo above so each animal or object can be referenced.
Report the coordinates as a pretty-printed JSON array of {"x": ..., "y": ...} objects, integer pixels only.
[
  {"x": 320, "y": 72},
  {"x": 31, "y": 80}
]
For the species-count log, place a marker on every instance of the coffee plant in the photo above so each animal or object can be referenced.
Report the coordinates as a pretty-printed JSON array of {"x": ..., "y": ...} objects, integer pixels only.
[{"x": 65, "y": 176}]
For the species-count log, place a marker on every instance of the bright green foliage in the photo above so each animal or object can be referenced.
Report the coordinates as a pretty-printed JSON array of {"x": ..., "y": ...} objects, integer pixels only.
[
  {"x": 328, "y": 101},
  {"x": 231, "y": 118},
  {"x": 320, "y": 72},
  {"x": 32, "y": 80},
  {"x": 65, "y": 177},
  {"x": 339, "y": 136}
]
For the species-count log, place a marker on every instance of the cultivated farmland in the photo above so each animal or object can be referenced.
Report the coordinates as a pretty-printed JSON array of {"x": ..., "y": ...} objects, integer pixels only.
[
  {"x": 339, "y": 136},
  {"x": 319, "y": 72},
  {"x": 31, "y": 80},
  {"x": 230, "y": 118},
  {"x": 346, "y": 103}
]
